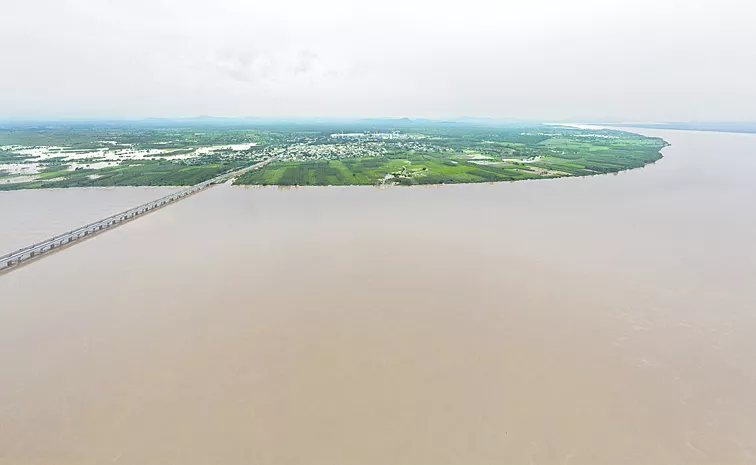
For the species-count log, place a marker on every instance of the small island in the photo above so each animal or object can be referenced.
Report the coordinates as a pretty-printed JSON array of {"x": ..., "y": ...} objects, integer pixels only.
[{"x": 364, "y": 152}]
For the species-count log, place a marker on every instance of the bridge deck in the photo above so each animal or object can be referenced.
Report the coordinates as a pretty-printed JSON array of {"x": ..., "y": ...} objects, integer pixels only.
[{"x": 11, "y": 260}]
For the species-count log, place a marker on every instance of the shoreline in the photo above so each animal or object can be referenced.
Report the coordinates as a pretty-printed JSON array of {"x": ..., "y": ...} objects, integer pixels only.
[
  {"x": 634, "y": 131},
  {"x": 388, "y": 186}
]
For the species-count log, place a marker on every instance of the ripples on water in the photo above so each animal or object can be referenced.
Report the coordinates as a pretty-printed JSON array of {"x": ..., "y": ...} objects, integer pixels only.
[{"x": 603, "y": 320}]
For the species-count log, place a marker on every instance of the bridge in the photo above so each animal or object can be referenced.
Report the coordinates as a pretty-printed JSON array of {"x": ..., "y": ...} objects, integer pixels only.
[{"x": 11, "y": 260}]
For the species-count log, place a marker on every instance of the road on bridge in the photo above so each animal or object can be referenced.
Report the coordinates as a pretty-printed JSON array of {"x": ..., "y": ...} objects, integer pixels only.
[{"x": 12, "y": 260}]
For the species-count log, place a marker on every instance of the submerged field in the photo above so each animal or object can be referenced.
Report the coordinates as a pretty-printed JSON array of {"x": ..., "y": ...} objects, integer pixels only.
[
  {"x": 56, "y": 156},
  {"x": 399, "y": 152}
]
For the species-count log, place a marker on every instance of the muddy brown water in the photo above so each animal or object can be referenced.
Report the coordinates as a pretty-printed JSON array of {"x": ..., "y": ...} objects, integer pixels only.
[
  {"x": 31, "y": 216},
  {"x": 602, "y": 320}
]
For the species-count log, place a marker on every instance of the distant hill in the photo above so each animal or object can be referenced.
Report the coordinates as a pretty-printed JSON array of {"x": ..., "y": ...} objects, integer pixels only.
[{"x": 290, "y": 123}]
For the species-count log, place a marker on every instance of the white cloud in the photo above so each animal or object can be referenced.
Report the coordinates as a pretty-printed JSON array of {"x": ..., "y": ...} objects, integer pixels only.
[{"x": 585, "y": 59}]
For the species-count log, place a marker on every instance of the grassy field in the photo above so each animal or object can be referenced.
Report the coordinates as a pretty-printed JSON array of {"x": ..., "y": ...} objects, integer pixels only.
[
  {"x": 143, "y": 173},
  {"x": 543, "y": 157},
  {"x": 87, "y": 156},
  {"x": 430, "y": 153},
  {"x": 90, "y": 137},
  {"x": 414, "y": 169}
]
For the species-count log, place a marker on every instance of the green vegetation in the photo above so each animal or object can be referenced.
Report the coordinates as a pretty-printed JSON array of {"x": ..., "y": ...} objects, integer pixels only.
[
  {"x": 53, "y": 156},
  {"x": 146, "y": 173},
  {"x": 474, "y": 155},
  {"x": 381, "y": 152},
  {"x": 7, "y": 156},
  {"x": 89, "y": 137},
  {"x": 414, "y": 169}
]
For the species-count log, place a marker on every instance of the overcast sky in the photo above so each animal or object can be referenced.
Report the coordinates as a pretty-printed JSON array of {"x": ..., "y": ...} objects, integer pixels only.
[{"x": 631, "y": 60}]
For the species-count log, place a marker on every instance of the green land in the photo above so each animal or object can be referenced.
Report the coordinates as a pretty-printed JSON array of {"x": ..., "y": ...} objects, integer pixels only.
[{"x": 393, "y": 152}]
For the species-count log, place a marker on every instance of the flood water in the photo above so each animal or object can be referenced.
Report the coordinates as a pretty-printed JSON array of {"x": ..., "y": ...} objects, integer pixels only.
[
  {"x": 31, "y": 216},
  {"x": 602, "y": 320}
]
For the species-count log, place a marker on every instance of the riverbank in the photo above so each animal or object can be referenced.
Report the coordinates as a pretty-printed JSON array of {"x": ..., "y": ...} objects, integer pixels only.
[
  {"x": 433, "y": 154},
  {"x": 500, "y": 323}
]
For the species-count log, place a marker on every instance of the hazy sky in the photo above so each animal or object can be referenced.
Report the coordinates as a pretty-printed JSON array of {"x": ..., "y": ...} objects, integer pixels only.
[{"x": 543, "y": 59}]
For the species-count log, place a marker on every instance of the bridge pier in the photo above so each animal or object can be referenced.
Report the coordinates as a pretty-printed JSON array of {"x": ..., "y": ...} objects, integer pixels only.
[{"x": 36, "y": 250}]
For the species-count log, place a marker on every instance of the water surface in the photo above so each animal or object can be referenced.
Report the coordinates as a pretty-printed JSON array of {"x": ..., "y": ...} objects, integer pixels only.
[
  {"x": 602, "y": 320},
  {"x": 29, "y": 216}
]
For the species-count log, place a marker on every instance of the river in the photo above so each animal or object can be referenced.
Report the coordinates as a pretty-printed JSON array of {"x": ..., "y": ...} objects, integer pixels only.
[
  {"x": 600, "y": 320},
  {"x": 30, "y": 216}
]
